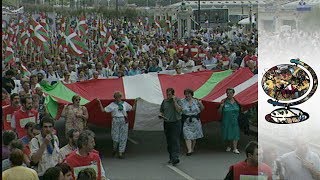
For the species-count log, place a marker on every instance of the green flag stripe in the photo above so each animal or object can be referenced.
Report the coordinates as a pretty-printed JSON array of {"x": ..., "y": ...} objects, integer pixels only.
[
  {"x": 209, "y": 85},
  {"x": 52, "y": 106},
  {"x": 61, "y": 91},
  {"x": 8, "y": 58}
]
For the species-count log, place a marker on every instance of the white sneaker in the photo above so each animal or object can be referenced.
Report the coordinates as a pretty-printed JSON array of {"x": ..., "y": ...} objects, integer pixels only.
[
  {"x": 236, "y": 151},
  {"x": 228, "y": 149}
]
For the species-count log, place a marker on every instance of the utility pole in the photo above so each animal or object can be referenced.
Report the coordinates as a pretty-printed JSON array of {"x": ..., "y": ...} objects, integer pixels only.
[{"x": 198, "y": 14}]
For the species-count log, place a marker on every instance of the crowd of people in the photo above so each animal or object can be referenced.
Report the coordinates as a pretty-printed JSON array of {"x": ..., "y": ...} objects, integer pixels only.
[{"x": 30, "y": 144}]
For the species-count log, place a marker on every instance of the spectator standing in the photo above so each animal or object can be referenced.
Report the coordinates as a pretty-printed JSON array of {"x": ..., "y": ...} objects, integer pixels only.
[
  {"x": 31, "y": 131},
  {"x": 45, "y": 147},
  {"x": 8, "y": 82},
  {"x": 66, "y": 171},
  {"x": 251, "y": 166},
  {"x": 7, "y": 137},
  {"x": 7, "y": 111},
  {"x": 5, "y": 98},
  {"x": 73, "y": 135},
  {"x": 53, "y": 173},
  {"x": 18, "y": 172},
  {"x": 85, "y": 157},
  {"x": 302, "y": 163},
  {"x": 24, "y": 115}
]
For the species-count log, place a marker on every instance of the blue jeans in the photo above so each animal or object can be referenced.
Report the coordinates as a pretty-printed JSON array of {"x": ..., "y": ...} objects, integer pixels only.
[{"x": 172, "y": 131}]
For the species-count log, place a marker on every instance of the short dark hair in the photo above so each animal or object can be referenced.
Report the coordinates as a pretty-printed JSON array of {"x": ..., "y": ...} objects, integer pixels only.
[
  {"x": 189, "y": 91},
  {"x": 16, "y": 144},
  {"x": 170, "y": 90},
  {"x": 251, "y": 146},
  {"x": 71, "y": 132},
  {"x": 23, "y": 99},
  {"x": 231, "y": 89},
  {"x": 13, "y": 95},
  {"x": 10, "y": 72},
  {"x": 30, "y": 125},
  {"x": 65, "y": 168},
  {"x": 16, "y": 157},
  {"x": 75, "y": 97},
  {"x": 8, "y": 136},
  {"x": 84, "y": 138},
  {"x": 87, "y": 174},
  {"x": 46, "y": 119},
  {"x": 52, "y": 173}
]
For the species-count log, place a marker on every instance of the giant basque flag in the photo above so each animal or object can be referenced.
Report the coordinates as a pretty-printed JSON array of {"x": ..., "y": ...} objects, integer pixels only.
[{"x": 150, "y": 89}]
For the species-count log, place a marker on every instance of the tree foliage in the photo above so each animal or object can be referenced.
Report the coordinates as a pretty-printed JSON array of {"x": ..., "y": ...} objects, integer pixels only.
[{"x": 9, "y": 2}]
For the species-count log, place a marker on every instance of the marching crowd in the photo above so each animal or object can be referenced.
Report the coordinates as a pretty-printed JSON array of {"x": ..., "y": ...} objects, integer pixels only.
[{"x": 30, "y": 144}]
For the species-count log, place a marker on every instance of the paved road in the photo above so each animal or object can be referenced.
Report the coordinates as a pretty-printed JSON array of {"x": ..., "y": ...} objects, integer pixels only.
[{"x": 146, "y": 156}]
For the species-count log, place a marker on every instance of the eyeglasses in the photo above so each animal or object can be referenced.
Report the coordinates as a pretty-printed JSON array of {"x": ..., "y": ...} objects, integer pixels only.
[
  {"x": 77, "y": 99},
  {"x": 47, "y": 126}
]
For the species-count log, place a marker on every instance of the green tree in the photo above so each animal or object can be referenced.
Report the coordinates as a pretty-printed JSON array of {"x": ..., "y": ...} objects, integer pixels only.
[{"x": 9, "y": 3}]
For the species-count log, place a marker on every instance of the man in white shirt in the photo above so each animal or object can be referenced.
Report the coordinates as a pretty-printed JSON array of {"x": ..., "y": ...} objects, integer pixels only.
[
  {"x": 45, "y": 147},
  {"x": 73, "y": 135},
  {"x": 301, "y": 163}
]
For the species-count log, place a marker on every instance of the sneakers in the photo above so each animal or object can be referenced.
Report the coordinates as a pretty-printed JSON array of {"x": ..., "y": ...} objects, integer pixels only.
[
  {"x": 228, "y": 149},
  {"x": 236, "y": 151}
]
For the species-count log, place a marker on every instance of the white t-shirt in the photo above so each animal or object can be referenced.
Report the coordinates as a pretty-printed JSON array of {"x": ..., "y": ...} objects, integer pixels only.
[
  {"x": 114, "y": 109},
  {"x": 293, "y": 168}
]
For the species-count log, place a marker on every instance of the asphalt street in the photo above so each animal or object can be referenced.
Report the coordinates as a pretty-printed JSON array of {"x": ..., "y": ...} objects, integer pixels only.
[{"x": 146, "y": 156}]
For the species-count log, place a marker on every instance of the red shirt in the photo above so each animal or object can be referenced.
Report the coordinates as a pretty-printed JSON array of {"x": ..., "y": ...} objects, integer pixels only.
[
  {"x": 186, "y": 50},
  {"x": 218, "y": 56},
  {"x": 194, "y": 52},
  {"x": 252, "y": 58},
  {"x": 77, "y": 162},
  {"x": 242, "y": 168},
  {"x": 7, "y": 113},
  {"x": 5, "y": 102},
  {"x": 21, "y": 118},
  {"x": 180, "y": 49}
]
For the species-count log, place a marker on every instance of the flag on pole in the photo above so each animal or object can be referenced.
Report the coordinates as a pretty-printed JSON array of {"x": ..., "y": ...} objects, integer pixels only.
[
  {"x": 129, "y": 45},
  {"x": 9, "y": 56},
  {"x": 74, "y": 43},
  {"x": 157, "y": 24},
  {"x": 82, "y": 26},
  {"x": 39, "y": 35}
]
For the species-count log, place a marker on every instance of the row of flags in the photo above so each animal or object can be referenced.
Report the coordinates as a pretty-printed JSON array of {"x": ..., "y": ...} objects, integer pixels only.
[{"x": 30, "y": 34}]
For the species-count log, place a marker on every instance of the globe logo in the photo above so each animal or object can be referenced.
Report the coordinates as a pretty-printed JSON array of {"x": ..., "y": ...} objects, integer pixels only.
[{"x": 289, "y": 85}]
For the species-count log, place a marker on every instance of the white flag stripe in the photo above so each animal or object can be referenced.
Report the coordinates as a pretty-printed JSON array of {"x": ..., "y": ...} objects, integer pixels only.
[
  {"x": 145, "y": 86},
  {"x": 241, "y": 87}
]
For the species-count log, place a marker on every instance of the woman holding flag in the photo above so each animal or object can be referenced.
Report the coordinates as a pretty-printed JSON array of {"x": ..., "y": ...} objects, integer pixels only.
[{"x": 120, "y": 125}]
